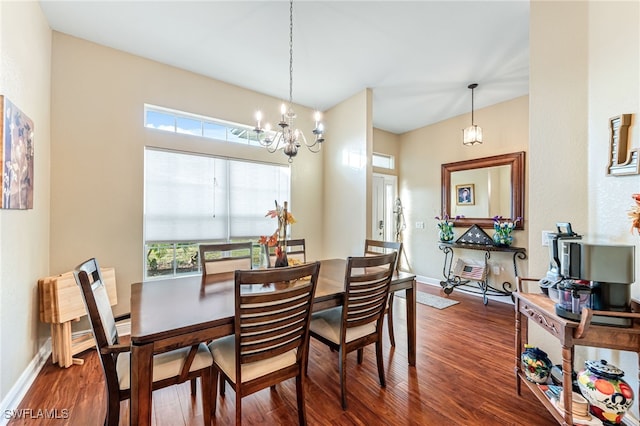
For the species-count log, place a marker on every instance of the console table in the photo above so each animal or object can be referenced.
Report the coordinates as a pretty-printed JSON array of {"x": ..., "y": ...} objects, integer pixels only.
[
  {"x": 453, "y": 280},
  {"x": 540, "y": 309}
]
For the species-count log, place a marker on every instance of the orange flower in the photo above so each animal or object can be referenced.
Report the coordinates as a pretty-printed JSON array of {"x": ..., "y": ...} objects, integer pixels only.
[
  {"x": 277, "y": 213},
  {"x": 634, "y": 214}
]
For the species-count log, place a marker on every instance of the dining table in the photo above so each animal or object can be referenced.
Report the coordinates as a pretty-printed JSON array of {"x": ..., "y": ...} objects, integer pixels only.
[{"x": 168, "y": 314}]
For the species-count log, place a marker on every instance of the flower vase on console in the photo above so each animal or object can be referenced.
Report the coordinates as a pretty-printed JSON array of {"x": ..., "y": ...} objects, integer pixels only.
[
  {"x": 445, "y": 226},
  {"x": 503, "y": 228}
]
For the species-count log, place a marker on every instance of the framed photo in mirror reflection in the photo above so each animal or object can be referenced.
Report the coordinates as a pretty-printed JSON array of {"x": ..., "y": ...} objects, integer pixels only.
[{"x": 465, "y": 194}]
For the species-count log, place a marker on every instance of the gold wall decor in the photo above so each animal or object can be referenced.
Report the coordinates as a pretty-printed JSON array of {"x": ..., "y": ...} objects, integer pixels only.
[{"x": 622, "y": 159}]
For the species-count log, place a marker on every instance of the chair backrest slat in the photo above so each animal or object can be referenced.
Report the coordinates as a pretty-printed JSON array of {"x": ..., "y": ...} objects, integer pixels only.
[
  {"x": 274, "y": 322},
  {"x": 224, "y": 257},
  {"x": 367, "y": 283},
  {"x": 375, "y": 248}
]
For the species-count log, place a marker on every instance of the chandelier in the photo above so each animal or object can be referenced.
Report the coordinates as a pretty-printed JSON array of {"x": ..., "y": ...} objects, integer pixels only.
[
  {"x": 473, "y": 134},
  {"x": 288, "y": 138}
]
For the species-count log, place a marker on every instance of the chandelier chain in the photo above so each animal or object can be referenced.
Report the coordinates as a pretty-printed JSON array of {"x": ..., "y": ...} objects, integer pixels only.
[
  {"x": 290, "y": 53},
  {"x": 289, "y": 138}
]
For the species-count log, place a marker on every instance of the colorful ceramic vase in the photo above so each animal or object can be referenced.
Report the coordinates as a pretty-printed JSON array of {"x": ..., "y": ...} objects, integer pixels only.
[
  {"x": 502, "y": 237},
  {"x": 535, "y": 364},
  {"x": 610, "y": 397},
  {"x": 446, "y": 233}
]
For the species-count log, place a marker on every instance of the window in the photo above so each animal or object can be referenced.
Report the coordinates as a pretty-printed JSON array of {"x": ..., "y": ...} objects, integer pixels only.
[
  {"x": 192, "y": 198},
  {"x": 383, "y": 161},
  {"x": 192, "y": 124}
]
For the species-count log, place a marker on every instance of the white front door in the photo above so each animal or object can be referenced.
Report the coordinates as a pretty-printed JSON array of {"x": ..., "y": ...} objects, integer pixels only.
[{"x": 384, "y": 194}]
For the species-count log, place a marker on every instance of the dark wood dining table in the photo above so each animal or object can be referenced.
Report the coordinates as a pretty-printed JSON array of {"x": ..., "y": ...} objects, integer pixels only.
[{"x": 172, "y": 313}]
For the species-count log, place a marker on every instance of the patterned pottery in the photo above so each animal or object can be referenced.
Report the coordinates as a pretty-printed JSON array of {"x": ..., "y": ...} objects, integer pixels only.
[
  {"x": 608, "y": 394},
  {"x": 536, "y": 364}
]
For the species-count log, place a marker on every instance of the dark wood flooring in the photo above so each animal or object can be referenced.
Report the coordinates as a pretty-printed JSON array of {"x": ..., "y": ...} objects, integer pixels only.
[{"x": 464, "y": 376}]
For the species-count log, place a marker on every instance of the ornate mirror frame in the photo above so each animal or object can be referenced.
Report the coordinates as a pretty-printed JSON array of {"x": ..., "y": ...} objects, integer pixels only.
[{"x": 515, "y": 160}]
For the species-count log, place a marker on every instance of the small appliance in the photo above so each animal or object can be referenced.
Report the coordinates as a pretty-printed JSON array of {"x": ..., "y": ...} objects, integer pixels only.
[
  {"x": 598, "y": 276},
  {"x": 554, "y": 276}
]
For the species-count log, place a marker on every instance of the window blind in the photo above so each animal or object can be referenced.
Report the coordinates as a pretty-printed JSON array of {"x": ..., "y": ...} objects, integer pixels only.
[{"x": 190, "y": 197}]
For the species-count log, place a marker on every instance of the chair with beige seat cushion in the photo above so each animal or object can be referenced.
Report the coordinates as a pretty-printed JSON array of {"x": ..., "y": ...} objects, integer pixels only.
[
  {"x": 224, "y": 258},
  {"x": 296, "y": 251},
  {"x": 375, "y": 248},
  {"x": 271, "y": 339},
  {"x": 169, "y": 368},
  {"x": 358, "y": 322}
]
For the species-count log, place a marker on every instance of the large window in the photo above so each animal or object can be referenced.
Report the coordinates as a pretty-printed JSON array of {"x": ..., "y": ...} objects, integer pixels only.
[{"x": 193, "y": 198}]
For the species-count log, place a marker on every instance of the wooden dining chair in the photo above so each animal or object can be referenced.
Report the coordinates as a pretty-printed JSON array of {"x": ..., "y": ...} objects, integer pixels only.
[
  {"x": 296, "y": 249},
  {"x": 358, "y": 322},
  {"x": 224, "y": 257},
  {"x": 169, "y": 368},
  {"x": 271, "y": 339},
  {"x": 375, "y": 248}
]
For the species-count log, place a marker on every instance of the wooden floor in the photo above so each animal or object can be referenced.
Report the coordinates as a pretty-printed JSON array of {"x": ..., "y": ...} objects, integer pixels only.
[{"x": 464, "y": 376}]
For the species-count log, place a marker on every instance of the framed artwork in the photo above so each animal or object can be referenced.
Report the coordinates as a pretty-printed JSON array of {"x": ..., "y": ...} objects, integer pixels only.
[
  {"x": 16, "y": 151},
  {"x": 465, "y": 195}
]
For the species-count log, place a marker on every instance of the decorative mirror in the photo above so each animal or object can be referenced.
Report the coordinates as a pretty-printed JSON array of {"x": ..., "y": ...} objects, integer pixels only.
[{"x": 483, "y": 188}]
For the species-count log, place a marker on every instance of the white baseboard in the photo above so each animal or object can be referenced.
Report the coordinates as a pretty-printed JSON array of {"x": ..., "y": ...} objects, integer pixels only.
[
  {"x": 17, "y": 392},
  {"x": 24, "y": 382}
]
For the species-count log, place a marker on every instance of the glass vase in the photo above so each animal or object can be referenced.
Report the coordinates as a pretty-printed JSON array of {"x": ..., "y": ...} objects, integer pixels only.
[
  {"x": 265, "y": 260},
  {"x": 502, "y": 238},
  {"x": 281, "y": 258},
  {"x": 446, "y": 234}
]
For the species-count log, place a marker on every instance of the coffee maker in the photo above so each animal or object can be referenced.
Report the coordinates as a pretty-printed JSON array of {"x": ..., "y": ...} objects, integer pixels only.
[
  {"x": 598, "y": 276},
  {"x": 554, "y": 276}
]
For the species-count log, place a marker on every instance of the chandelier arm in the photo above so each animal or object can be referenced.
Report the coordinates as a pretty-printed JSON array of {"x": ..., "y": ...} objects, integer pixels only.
[{"x": 275, "y": 143}]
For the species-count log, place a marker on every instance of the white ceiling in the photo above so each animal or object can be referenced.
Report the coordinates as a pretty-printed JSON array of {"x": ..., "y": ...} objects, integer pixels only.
[{"x": 418, "y": 57}]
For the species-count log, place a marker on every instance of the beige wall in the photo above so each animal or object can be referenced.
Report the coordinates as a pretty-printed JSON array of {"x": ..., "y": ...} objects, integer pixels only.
[
  {"x": 387, "y": 143},
  {"x": 585, "y": 62},
  {"x": 25, "y": 58},
  {"x": 98, "y": 142},
  {"x": 422, "y": 152},
  {"x": 347, "y": 188}
]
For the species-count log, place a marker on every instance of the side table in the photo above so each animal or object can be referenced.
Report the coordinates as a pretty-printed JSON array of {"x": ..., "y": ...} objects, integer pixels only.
[
  {"x": 453, "y": 280},
  {"x": 540, "y": 309}
]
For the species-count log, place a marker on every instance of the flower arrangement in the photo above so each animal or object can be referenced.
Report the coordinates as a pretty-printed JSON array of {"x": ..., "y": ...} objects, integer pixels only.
[
  {"x": 503, "y": 228},
  {"x": 445, "y": 225},
  {"x": 277, "y": 239},
  {"x": 634, "y": 214}
]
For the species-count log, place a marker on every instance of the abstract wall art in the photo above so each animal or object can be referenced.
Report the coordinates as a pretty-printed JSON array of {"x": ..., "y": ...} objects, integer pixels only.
[{"x": 16, "y": 151}]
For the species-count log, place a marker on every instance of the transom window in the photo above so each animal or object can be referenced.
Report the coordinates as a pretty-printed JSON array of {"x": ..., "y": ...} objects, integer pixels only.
[
  {"x": 383, "y": 161},
  {"x": 175, "y": 121}
]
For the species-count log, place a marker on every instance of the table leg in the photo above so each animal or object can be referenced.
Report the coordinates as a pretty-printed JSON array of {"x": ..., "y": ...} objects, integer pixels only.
[
  {"x": 141, "y": 380},
  {"x": 518, "y": 351},
  {"x": 567, "y": 385},
  {"x": 411, "y": 323}
]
